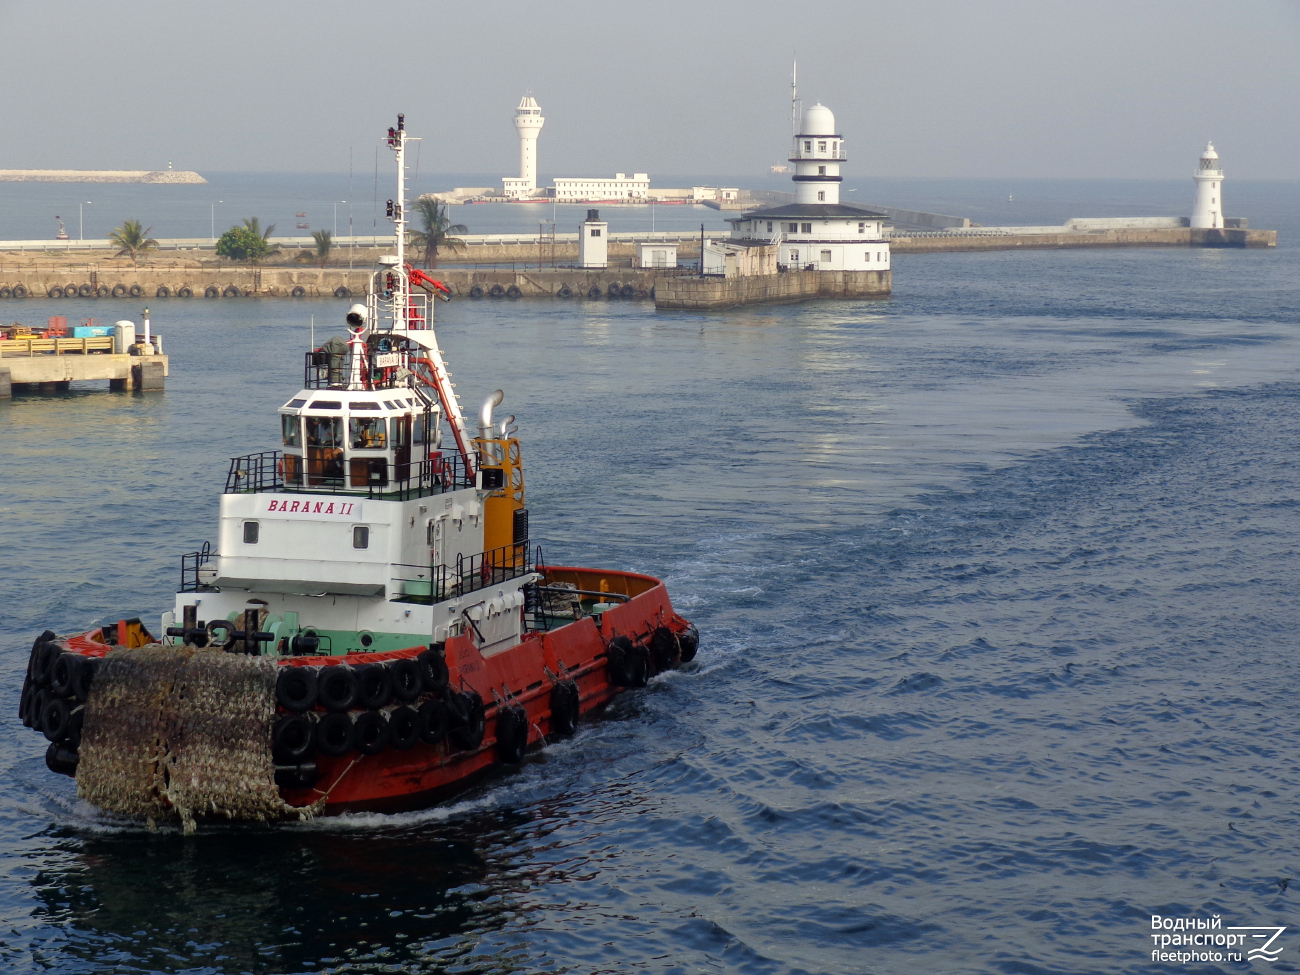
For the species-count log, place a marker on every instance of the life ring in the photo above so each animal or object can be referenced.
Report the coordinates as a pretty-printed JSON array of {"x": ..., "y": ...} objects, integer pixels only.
[
  {"x": 433, "y": 670},
  {"x": 615, "y": 289},
  {"x": 564, "y": 292},
  {"x": 618, "y": 661},
  {"x": 514, "y": 292},
  {"x": 665, "y": 651},
  {"x": 334, "y": 735},
  {"x": 566, "y": 707},
  {"x": 406, "y": 678},
  {"x": 497, "y": 291},
  {"x": 212, "y": 291},
  {"x": 85, "y": 291},
  {"x": 374, "y": 685},
  {"x": 20, "y": 291},
  {"x": 594, "y": 291},
  {"x": 336, "y": 688},
  {"x": 470, "y": 734},
  {"x": 512, "y": 734},
  {"x": 690, "y": 642},
  {"x": 295, "y": 688},
  {"x": 435, "y": 720},
  {"x": 292, "y": 737},
  {"x": 342, "y": 292},
  {"x": 403, "y": 728},
  {"x": 628, "y": 291},
  {"x": 136, "y": 291},
  {"x": 119, "y": 291},
  {"x": 298, "y": 291},
  {"x": 184, "y": 292},
  {"x": 476, "y": 291},
  {"x": 370, "y": 732},
  {"x": 232, "y": 291},
  {"x": 163, "y": 292},
  {"x": 55, "y": 292}
]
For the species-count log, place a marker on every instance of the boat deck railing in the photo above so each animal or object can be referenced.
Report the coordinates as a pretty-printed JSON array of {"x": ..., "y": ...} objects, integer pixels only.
[
  {"x": 429, "y": 584},
  {"x": 264, "y": 473}
]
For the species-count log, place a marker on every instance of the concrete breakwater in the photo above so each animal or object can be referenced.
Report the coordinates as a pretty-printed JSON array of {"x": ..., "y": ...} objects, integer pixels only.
[
  {"x": 699, "y": 293},
  {"x": 1131, "y": 237},
  {"x": 99, "y": 176}
]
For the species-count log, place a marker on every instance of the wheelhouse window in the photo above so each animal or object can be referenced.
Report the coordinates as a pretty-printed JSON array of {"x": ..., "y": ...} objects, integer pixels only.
[
  {"x": 368, "y": 433},
  {"x": 324, "y": 431},
  {"x": 291, "y": 431},
  {"x": 360, "y": 536}
]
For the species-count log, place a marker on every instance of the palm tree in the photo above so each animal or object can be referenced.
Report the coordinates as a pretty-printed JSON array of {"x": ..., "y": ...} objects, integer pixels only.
[
  {"x": 253, "y": 226},
  {"x": 437, "y": 228},
  {"x": 133, "y": 239},
  {"x": 324, "y": 241}
]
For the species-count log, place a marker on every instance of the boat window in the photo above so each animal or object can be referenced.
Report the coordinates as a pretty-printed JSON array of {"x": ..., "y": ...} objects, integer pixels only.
[
  {"x": 391, "y": 406},
  {"x": 401, "y": 431},
  {"x": 364, "y": 406},
  {"x": 360, "y": 536},
  {"x": 326, "y": 404},
  {"x": 421, "y": 428},
  {"x": 293, "y": 404},
  {"x": 291, "y": 430},
  {"x": 324, "y": 431},
  {"x": 250, "y": 532},
  {"x": 368, "y": 432}
]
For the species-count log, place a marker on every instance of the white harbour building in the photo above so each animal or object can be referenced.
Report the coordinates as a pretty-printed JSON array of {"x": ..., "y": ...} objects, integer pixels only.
[{"x": 817, "y": 232}]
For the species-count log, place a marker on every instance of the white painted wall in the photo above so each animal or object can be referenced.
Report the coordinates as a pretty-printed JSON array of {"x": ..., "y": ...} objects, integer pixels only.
[{"x": 1207, "y": 210}]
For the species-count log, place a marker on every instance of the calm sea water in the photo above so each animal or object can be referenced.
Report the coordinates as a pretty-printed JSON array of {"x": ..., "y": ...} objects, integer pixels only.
[{"x": 996, "y": 586}]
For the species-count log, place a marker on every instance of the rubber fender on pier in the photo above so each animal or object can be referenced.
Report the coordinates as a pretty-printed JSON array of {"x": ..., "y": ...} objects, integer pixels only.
[
  {"x": 163, "y": 292},
  {"x": 408, "y": 682},
  {"x": 295, "y": 688},
  {"x": 334, "y": 735},
  {"x": 55, "y": 716},
  {"x": 514, "y": 292},
  {"x": 102, "y": 291},
  {"x": 232, "y": 291},
  {"x": 566, "y": 707},
  {"x": 342, "y": 292},
  {"x": 511, "y": 733},
  {"x": 298, "y": 291},
  {"x": 690, "y": 642},
  {"x": 292, "y": 738},
  {"x": 564, "y": 292},
  {"x": 136, "y": 291},
  {"x": 628, "y": 291},
  {"x": 433, "y": 669},
  {"x": 336, "y": 687},
  {"x": 47, "y": 654},
  {"x": 19, "y": 291},
  {"x": 212, "y": 291},
  {"x": 618, "y": 661},
  {"x": 374, "y": 685},
  {"x": 85, "y": 291},
  {"x": 403, "y": 727},
  {"x": 470, "y": 733},
  {"x": 119, "y": 291},
  {"x": 615, "y": 289},
  {"x": 55, "y": 292},
  {"x": 370, "y": 732},
  {"x": 61, "y": 759},
  {"x": 476, "y": 291},
  {"x": 300, "y": 776},
  {"x": 665, "y": 651},
  {"x": 435, "y": 719},
  {"x": 6, "y": 292},
  {"x": 184, "y": 292},
  {"x": 594, "y": 291},
  {"x": 497, "y": 291}
]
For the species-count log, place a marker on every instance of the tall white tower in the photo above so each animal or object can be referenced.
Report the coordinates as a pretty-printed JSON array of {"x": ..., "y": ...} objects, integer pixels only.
[
  {"x": 1207, "y": 212},
  {"x": 818, "y": 152},
  {"x": 528, "y": 123}
]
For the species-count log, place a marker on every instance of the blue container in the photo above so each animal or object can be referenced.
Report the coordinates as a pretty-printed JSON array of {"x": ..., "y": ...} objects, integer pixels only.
[{"x": 91, "y": 331}]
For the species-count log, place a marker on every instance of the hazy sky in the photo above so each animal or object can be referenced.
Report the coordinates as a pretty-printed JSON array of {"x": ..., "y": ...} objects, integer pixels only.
[{"x": 999, "y": 88}]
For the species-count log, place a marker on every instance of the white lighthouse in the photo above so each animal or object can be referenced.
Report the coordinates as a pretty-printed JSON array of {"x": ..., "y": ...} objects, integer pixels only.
[
  {"x": 528, "y": 123},
  {"x": 1207, "y": 212},
  {"x": 817, "y": 154}
]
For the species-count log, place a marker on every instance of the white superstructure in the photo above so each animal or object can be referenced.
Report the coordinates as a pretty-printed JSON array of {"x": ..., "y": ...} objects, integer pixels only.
[
  {"x": 528, "y": 123},
  {"x": 1207, "y": 211}
]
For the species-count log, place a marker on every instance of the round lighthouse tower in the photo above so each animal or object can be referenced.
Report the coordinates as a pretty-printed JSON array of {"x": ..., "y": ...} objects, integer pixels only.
[
  {"x": 1207, "y": 212},
  {"x": 818, "y": 152},
  {"x": 528, "y": 123}
]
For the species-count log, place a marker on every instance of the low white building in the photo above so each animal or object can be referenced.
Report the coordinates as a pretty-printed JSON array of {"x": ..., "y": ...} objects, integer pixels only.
[
  {"x": 593, "y": 241},
  {"x": 597, "y": 190},
  {"x": 656, "y": 255}
]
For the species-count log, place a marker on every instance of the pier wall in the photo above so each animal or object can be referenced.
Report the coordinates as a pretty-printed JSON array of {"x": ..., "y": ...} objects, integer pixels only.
[
  {"x": 701, "y": 293},
  {"x": 1140, "y": 237},
  {"x": 54, "y": 373}
]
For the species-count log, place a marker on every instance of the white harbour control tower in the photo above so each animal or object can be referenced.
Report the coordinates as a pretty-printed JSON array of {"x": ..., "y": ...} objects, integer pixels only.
[
  {"x": 817, "y": 154},
  {"x": 528, "y": 123},
  {"x": 1207, "y": 212}
]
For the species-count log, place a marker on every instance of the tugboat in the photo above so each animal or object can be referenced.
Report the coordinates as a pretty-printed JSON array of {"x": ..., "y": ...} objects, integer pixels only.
[{"x": 374, "y": 629}]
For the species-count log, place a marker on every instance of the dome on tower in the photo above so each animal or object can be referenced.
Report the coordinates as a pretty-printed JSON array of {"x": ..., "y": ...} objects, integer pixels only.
[
  {"x": 1209, "y": 152},
  {"x": 818, "y": 120}
]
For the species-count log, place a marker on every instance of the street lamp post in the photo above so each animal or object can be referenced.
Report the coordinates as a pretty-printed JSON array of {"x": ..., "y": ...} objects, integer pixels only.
[{"x": 81, "y": 220}]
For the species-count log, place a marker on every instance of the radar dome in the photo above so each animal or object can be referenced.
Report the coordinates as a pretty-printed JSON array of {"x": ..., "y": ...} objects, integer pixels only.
[{"x": 818, "y": 120}]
